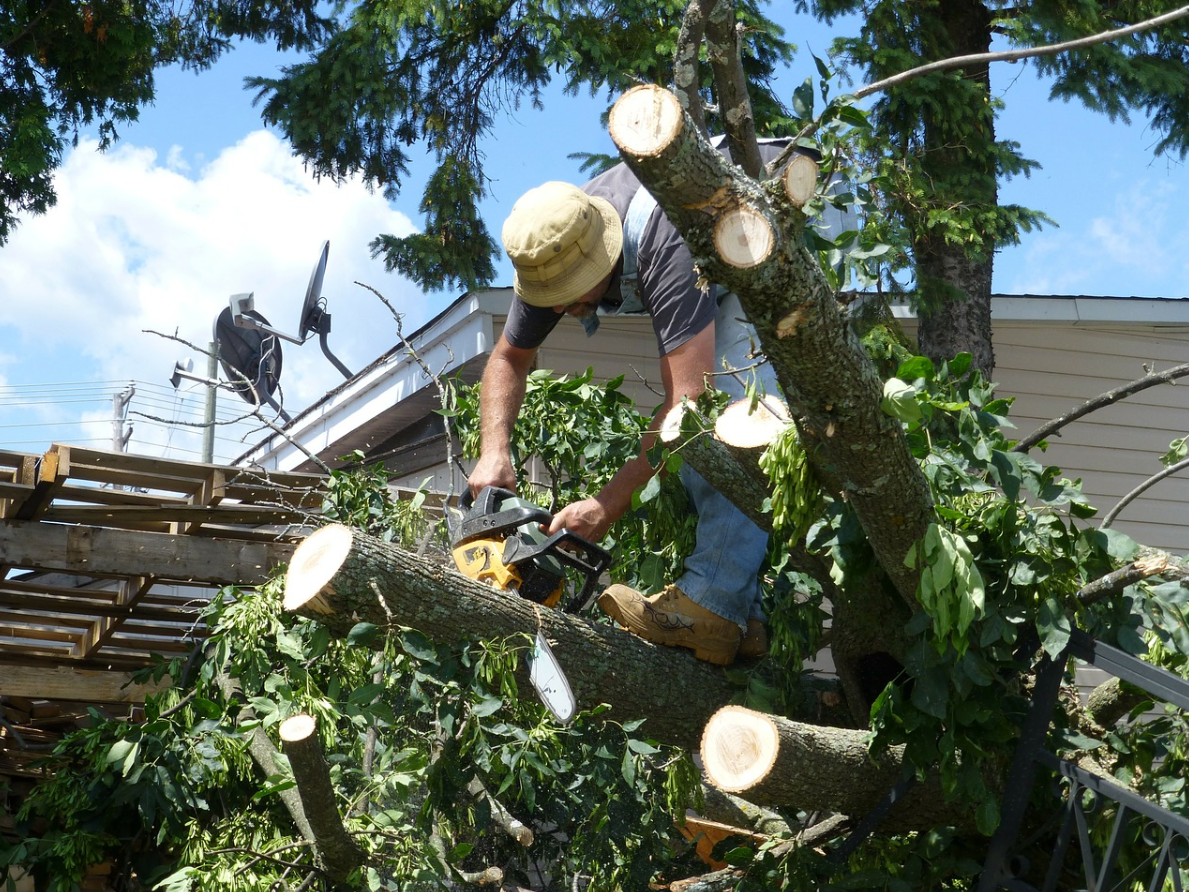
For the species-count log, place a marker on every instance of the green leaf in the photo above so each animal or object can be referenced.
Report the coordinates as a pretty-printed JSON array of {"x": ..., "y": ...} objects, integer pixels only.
[
  {"x": 986, "y": 816},
  {"x": 417, "y": 645},
  {"x": 118, "y": 752},
  {"x": 931, "y": 693},
  {"x": 651, "y": 489},
  {"x": 487, "y": 706},
  {"x": 1053, "y": 626},
  {"x": 363, "y": 634},
  {"x": 916, "y": 367},
  {"x": 290, "y": 646},
  {"x": 803, "y": 100},
  {"x": 739, "y": 856}
]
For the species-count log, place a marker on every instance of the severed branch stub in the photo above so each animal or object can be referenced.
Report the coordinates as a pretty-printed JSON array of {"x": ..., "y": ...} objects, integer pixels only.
[
  {"x": 743, "y": 237},
  {"x": 687, "y": 431},
  {"x": 337, "y": 850},
  {"x": 515, "y": 828},
  {"x": 800, "y": 180}
]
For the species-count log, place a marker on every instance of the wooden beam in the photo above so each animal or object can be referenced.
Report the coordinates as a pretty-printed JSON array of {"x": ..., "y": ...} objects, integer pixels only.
[
  {"x": 209, "y": 493},
  {"x": 101, "y": 629},
  {"x": 80, "y": 685},
  {"x": 47, "y": 483},
  {"x": 167, "y": 515},
  {"x": 96, "y": 551}
]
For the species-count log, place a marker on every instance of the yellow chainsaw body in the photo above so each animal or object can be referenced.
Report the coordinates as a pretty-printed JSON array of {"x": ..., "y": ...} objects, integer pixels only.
[{"x": 482, "y": 559}]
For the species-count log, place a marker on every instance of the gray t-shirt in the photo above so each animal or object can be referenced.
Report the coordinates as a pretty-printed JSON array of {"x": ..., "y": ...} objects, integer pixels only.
[{"x": 667, "y": 281}]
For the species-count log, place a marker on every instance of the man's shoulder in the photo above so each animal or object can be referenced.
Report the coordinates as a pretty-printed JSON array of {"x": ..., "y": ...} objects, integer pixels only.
[{"x": 617, "y": 185}]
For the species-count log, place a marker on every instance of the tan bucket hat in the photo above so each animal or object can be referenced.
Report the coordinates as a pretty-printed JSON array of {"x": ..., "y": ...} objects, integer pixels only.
[{"x": 562, "y": 243}]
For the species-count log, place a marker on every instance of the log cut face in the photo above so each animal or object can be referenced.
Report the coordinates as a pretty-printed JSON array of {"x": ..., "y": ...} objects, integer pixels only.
[
  {"x": 832, "y": 388},
  {"x": 773, "y": 761},
  {"x": 340, "y": 577}
]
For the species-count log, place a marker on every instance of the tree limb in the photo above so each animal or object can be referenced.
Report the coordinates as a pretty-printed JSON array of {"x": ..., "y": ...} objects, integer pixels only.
[
  {"x": 337, "y": 850},
  {"x": 264, "y": 754},
  {"x": 1102, "y": 400},
  {"x": 686, "y": 67},
  {"x": 1140, "y": 490},
  {"x": 748, "y": 239},
  {"x": 723, "y": 49}
]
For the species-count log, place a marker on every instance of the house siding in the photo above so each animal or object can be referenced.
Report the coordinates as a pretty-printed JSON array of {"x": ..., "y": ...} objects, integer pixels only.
[{"x": 1051, "y": 368}]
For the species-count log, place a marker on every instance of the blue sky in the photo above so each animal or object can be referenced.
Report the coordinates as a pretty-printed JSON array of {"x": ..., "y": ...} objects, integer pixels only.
[{"x": 199, "y": 201}]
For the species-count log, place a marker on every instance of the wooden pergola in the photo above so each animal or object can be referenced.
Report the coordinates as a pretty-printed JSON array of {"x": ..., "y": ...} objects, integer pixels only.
[{"x": 108, "y": 560}]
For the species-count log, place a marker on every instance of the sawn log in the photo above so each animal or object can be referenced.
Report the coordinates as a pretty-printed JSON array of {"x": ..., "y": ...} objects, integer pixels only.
[{"x": 340, "y": 577}]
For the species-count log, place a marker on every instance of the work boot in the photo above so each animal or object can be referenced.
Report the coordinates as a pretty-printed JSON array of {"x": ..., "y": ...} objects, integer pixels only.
[
  {"x": 754, "y": 642},
  {"x": 671, "y": 618}
]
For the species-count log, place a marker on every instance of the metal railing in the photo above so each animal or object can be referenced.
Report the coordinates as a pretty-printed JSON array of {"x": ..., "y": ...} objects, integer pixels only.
[{"x": 1086, "y": 795}]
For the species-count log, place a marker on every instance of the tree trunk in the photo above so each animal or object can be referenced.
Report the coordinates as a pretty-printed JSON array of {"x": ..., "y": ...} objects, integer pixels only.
[
  {"x": 337, "y": 850},
  {"x": 954, "y": 282},
  {"x": 341, "y": 577},
  {"x": 748, "y": 239},
  {"x": 763, "y": 758}
]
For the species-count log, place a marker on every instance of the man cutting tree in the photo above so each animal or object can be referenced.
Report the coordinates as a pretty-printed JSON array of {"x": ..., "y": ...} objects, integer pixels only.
[{"x": 608, "y": 248}]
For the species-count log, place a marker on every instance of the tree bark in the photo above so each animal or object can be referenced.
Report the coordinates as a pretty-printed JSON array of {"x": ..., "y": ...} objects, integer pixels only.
[
  {"x": 337, "y": 850},
  {"x": 341, "y": 577},
  {"x": 764, "y": 758},
  {"x": 734, "y": 473},
  {"x": 831, "y": 386},
  {"x": 264, "y": 754}
]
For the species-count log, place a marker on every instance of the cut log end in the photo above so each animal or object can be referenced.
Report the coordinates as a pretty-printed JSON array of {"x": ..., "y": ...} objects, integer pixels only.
[
  {"x": 313, "y": 565},
  {"x": 800, "y": 180},
  {"x": 743, "y": 427},
  {"x": 297, "y": 728},
  {"x": 739, "y": 748},
  {"x": 645, "y": 120},
  {"x": 743, "y": 238}
]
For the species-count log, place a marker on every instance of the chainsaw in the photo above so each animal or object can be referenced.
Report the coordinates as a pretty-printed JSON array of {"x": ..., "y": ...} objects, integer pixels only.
[{"x": 496, "y": 538}]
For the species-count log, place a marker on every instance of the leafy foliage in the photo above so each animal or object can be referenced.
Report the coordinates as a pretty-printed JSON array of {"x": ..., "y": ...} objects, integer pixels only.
[
  {"x": 438, "y": 74},
  {"x": 64, "y": 66}
]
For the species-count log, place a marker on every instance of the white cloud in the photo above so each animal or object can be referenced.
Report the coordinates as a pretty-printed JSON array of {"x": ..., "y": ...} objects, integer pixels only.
[
  {"x": 137, "y": 243},
  {"x": 1138, "y": 246}
]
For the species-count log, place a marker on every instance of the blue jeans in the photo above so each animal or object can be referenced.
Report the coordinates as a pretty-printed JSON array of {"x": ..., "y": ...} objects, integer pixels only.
[{"x": 722, "y": 573}]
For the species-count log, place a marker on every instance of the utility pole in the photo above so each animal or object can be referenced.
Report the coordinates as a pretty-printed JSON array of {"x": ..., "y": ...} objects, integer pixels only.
[
  {"x": 119, "y": 405},
  {"x": 208, "y": 430}
]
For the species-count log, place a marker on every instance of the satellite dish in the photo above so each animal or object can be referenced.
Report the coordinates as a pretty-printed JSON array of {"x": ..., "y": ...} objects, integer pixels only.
[
  {"x": 314, "y": 319},
  {"x": 311, "y": 311},
  {"x": 251, "y": 359}
]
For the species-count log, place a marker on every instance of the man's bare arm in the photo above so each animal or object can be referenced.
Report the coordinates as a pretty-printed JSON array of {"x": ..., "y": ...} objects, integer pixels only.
[{"x": 500, "y": 399}]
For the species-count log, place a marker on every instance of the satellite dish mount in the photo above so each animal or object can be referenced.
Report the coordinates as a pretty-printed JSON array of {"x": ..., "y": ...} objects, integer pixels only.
[{"x": 313, "y": 319}]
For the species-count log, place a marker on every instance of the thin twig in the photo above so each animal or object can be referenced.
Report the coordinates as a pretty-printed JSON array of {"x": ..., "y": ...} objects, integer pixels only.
[
  {"x": 1099, "y": 402},
  {"x": 435, "y": 377},
  {"x": 1140, "y": 490}
]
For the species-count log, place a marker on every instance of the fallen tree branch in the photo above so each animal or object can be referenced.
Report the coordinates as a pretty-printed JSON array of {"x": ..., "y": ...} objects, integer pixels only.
[
  {"x": 264, "y": 754},
  {"x": 337, "y": 850},
  {"x": 1101, "y": 401},
  {"x": 340, "y": 577},
  {"x": 764, "y": 756},
  {"x": 1158, "y": 564}
]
